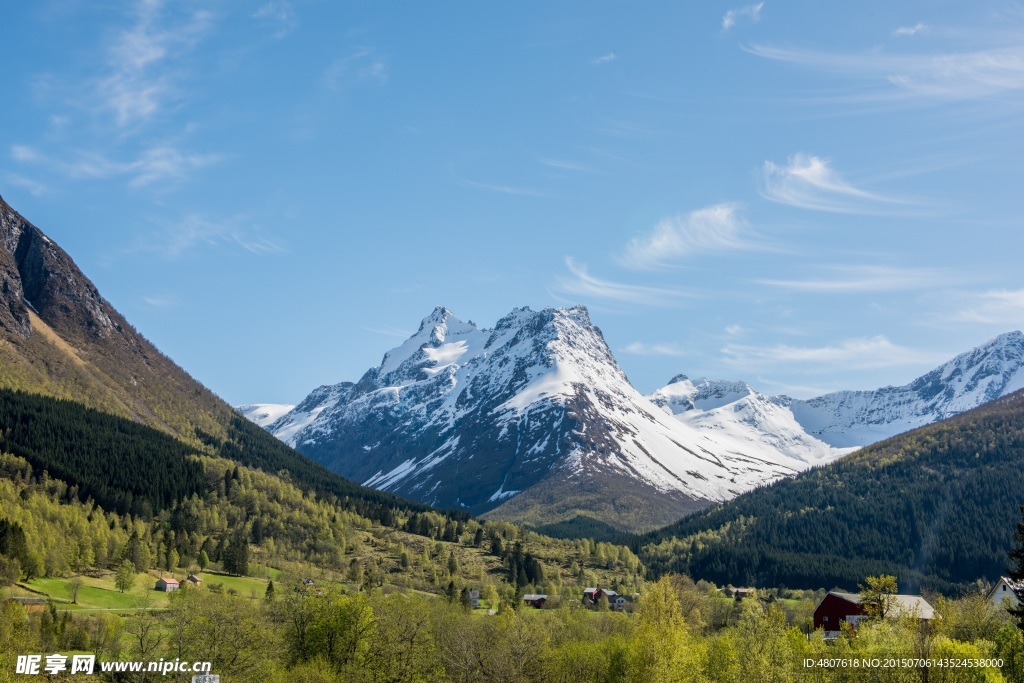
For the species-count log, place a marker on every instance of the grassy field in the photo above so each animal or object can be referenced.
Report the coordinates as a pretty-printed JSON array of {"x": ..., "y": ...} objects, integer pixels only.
[
  {"x": 99, "y": 593},
  {"x": 245, "y": 585}
]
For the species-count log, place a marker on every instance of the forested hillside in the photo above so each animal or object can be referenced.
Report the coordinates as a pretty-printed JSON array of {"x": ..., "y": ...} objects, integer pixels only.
[{"x": 935, "y": 506}]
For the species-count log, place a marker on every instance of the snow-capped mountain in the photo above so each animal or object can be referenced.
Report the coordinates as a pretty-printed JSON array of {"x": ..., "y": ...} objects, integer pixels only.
[
  {"x": 533, "y": 415},
  {"x": 263, "y": 413},
  {"x": 826, "y": 427},
  {"x": 858, "y": 418},
  {"x": 761, "y": 423}
]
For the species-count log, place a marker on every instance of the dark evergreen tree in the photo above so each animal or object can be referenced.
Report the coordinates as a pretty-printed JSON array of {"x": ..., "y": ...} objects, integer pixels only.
[
  {"x": 236, "y": 557},
  {"x": 1017, "y": 570}
]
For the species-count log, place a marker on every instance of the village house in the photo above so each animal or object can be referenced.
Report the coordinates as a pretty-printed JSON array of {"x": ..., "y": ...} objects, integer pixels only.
[
  {"x": 194, "y": 581},
  {"x": 535, "y": 600},
  {"x": 474, "y": 597},
  {"x": 591, "y": 596},
  {"x": 166, "y": 585},
  {"x": 1006, "y": 592},
  {"x": 838, "y": 607}
]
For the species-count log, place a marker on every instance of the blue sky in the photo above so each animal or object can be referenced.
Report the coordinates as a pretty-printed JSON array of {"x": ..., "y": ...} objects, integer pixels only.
[{"x": 808, "y": 196}]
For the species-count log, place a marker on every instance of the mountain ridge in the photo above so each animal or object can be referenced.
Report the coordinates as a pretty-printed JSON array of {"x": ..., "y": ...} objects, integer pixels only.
[
  {"x": 543, "y": 403},
  {"x": 831, "y": 425}
]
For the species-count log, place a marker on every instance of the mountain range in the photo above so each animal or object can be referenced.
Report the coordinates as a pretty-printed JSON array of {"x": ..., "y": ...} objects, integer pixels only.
[
  {"x": 533, "y": 421},
  {"x": 936, "y": 506}
]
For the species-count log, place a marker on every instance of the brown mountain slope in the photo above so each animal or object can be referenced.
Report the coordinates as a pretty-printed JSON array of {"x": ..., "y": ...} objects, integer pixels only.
[{"x": 59, "y": 337}]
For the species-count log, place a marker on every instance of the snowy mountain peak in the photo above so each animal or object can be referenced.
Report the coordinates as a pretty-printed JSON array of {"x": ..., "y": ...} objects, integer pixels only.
[
  {"x": 858, "y": 418},
  {"x": 683, "y": 394},
  {"x": 438, "y": 330},
  {"x": 535, "y": 409},
  {"x": 832, "y": 424}
]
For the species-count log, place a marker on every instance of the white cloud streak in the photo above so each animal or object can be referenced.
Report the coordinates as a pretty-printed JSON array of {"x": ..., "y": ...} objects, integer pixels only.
[
  {"x": 657, "y": 349},
  {"x": 866, "y": 278},
  {"x": 135, "y": 89},
  {"x": 563, "y": 165},
  {"x": 362, "y": 66},
  {"x": 810, "y": 182},
  {"x": 713, "y": 228},
  {"x": 34, "y": 188},
  {"x": 604, "y": 59},
  {"x": 858, "y": 353},
  {"x": 996, "y": 307},
  {"x": 752, "y": 12},
  {"x": 161, "y": 163},
  {"x": 196, "y": 230},
  {"x": 910, "y": 30},
  {"x": 583, "y": 284},
  {"x": 923, "y": 77},
  {"x": 280, "y": 14}
]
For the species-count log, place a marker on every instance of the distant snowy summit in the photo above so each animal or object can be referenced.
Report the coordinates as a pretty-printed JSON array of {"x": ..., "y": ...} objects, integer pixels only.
[
  {"x": 264, "y": 413},
  {"x": 834, "y": 424},
  {"x": 859, "y": 418},
  {"x": 753, "y": 420},
  {"x": 534, "y": 421}
]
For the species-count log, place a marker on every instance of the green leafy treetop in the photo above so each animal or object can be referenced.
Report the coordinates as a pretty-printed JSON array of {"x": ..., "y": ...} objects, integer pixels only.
[
  {"x": 125, "y": 577},
  {"x": 877, "y": 598}
]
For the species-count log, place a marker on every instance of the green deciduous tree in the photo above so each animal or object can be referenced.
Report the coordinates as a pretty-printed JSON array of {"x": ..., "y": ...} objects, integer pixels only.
[
  {"x": 125, "y": 577},
  {"x": 877, "y": 597}
]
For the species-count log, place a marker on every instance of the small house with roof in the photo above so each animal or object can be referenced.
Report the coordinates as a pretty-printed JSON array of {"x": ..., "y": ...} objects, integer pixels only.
[
  {"x": 1006, "y": 592},
  {"x": 194, "y": 581},
  {"x": 592, "y": 595},
  {"x": 474, "y": 597},
  {"x": 535, "y": 600},
  {"x": 838, "y": 607},
  {"x": 166, "y": 585}
]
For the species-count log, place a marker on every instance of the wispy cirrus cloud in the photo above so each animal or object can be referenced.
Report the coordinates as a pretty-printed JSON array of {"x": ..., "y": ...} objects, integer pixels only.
[
  {"x": 34, "y": 188},
  {"x": 159, "y": 163},
  {"x": 666, "y": 349},
  {"x": 161, "y": 301},
  {"x": 809, "y": 182},
  {"x": 907, "y": 77},
  {"x": 866, "y": 278},
  {"x": 995, "y": 307},
  {"x": 604, "y": 59},
  {"x": 280, "y": 14},
  {"x": 860, "y": 353},
  {"x": 903, "y": 31},
  {"x": 752, "y": 12},
  {"x": 582, "y": 284},
  {"x": 195, "y": 230},
  {"x": 564, "y": 165},
  {"x": 137, "y": 84},
  {"x": 363, "y": 66},
  {"x": 712, "y": 228},
  {"x": 515, "y": 190}
]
